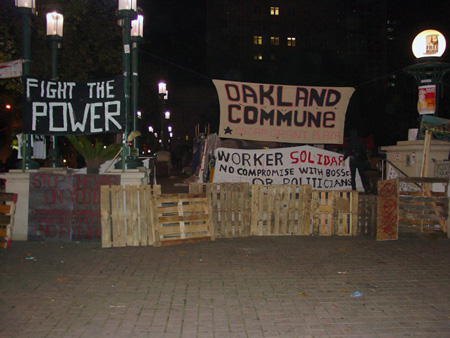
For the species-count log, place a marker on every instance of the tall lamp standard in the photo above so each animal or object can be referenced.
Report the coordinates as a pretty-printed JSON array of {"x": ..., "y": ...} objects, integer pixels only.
[
  {"x": 137, "y": 37},
  {"x": 55, "y": 22},
  {"x": 127, "y": 13},
  {"x": 26, "y": 9},
  {"x": 163, "y": 95}
]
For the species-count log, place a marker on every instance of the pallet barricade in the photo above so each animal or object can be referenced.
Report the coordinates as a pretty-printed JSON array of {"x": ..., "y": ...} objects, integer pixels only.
[
  {"x": 140, "y": 215},
  {"x": 283, "y": 210}
]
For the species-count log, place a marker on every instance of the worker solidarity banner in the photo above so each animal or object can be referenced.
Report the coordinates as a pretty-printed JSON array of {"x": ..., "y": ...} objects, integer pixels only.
[
  {"x": 305, "y": 165},
  {"x": 74, "y": 108},
  {"x": 281, "y": 113}
]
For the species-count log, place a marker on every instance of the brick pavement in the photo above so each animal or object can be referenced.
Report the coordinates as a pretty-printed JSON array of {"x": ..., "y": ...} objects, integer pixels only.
[{"x": 247, "y": 287}]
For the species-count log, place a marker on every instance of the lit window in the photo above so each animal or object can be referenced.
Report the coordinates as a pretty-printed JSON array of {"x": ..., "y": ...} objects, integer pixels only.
[
  {"x": 258, "y": 57},
  {"x": 274, "y": 10},
  {"x": 274, "y": 40},
  {"x": 291, "y": 41},
  {"x": 257, "y": 40}
]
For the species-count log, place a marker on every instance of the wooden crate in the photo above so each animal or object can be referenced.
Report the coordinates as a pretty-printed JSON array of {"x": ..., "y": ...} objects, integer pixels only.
[
  {"x": 181, "y": 218},
  {"x": 334, "y": 213},
  {"x": 128, "y": 215},
  {"x": 280, "y": 210},
  {"x": 7, "y": 211}
]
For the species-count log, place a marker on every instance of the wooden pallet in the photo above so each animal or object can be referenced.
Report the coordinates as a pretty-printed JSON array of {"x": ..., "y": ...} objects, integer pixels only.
[
  {"x": 128, "y": 215},
  {"x": 8, "y": 203},
  {"x": 334, "y": 213},
  {"x": 367, "y": 215},
  {"x": 181, "y": 218},
  {"x": 280, "y": 210},
  {"x": 229, "y": 207}
]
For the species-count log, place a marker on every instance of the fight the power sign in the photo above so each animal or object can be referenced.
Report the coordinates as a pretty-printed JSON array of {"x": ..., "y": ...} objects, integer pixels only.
[
  {"x": 280, "y": 113},
  {"x": 61, "y": 108}
]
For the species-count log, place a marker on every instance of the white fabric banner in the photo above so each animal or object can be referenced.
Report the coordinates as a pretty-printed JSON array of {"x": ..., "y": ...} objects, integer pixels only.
[
  {"x": 280, "y": 113},
  {"x": 11, "y": 69},
  {"x": 38, "y": 145},
  {"x": 305, "y": 165}
]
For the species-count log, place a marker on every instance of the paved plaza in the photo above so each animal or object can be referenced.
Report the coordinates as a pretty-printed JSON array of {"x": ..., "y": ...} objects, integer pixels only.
[{"x": 246, "y": 287}]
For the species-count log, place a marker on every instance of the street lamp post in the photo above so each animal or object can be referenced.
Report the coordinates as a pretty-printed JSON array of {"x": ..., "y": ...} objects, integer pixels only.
[
  {"x": 55, "y": 22},
  {"x": 167, "y": 138},
  {"x": 428, "y": 47},
  {"x": 26, "y": 9},
  {"x": 163, "y": 94},
  {"x": 127, "y": 13},
  {"x": 137, "y": 33}
]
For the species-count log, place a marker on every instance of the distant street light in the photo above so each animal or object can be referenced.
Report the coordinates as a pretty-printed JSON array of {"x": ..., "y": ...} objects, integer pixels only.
[{"x": 55, "y": 23}]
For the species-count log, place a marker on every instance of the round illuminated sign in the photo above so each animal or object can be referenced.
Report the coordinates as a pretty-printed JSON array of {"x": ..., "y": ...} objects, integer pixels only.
[{"x": 429, "y": 43}]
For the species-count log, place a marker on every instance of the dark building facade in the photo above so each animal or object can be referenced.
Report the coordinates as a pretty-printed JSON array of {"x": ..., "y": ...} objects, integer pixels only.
[
  {"x": 309, "y": 42},
  {"x": 363, "y": 44}
]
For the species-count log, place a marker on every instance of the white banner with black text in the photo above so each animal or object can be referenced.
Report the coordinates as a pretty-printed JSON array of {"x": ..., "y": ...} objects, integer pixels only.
[{"x": 305, "y": 165}]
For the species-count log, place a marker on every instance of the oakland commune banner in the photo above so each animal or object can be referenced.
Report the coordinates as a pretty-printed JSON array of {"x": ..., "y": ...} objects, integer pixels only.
[
  {"x": 306, "y": 165},
  {"x": 280, "y": 113},
  {"x": 61, "y": 108}
]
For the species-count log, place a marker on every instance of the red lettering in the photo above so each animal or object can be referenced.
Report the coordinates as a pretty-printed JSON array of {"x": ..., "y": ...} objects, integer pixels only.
[{"x": 295, "y": 160}]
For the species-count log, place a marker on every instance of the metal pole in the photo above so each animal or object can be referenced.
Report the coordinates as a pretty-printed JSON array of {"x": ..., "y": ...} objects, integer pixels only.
[
  {"x": 163, "y": 146},
  {"x": 54, "y": 162},
  {"x": 27, "y": 162},
  {"x": 126, "y": 16},
  {"x": 135, "y": 95}
]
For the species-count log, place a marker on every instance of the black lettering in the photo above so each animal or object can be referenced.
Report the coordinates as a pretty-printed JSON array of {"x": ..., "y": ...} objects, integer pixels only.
[
  {"x": 318, "y": 98},
  {"x": 250, "y": 115},
  {"x": 267, "y": 116},
  {"x": 337, "y": 97},
  {"x": 236, "y": 96},
  {"x": 287, "y": 117},
  {"x": 230, "y": 113},
  {"x": 266, "y": 95},
  {"x": 280, "y": 98},
  {"x": 248, "y": 92},
  {"x": 301, "y": 95},
  {"x": 329, "y": 116}
]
